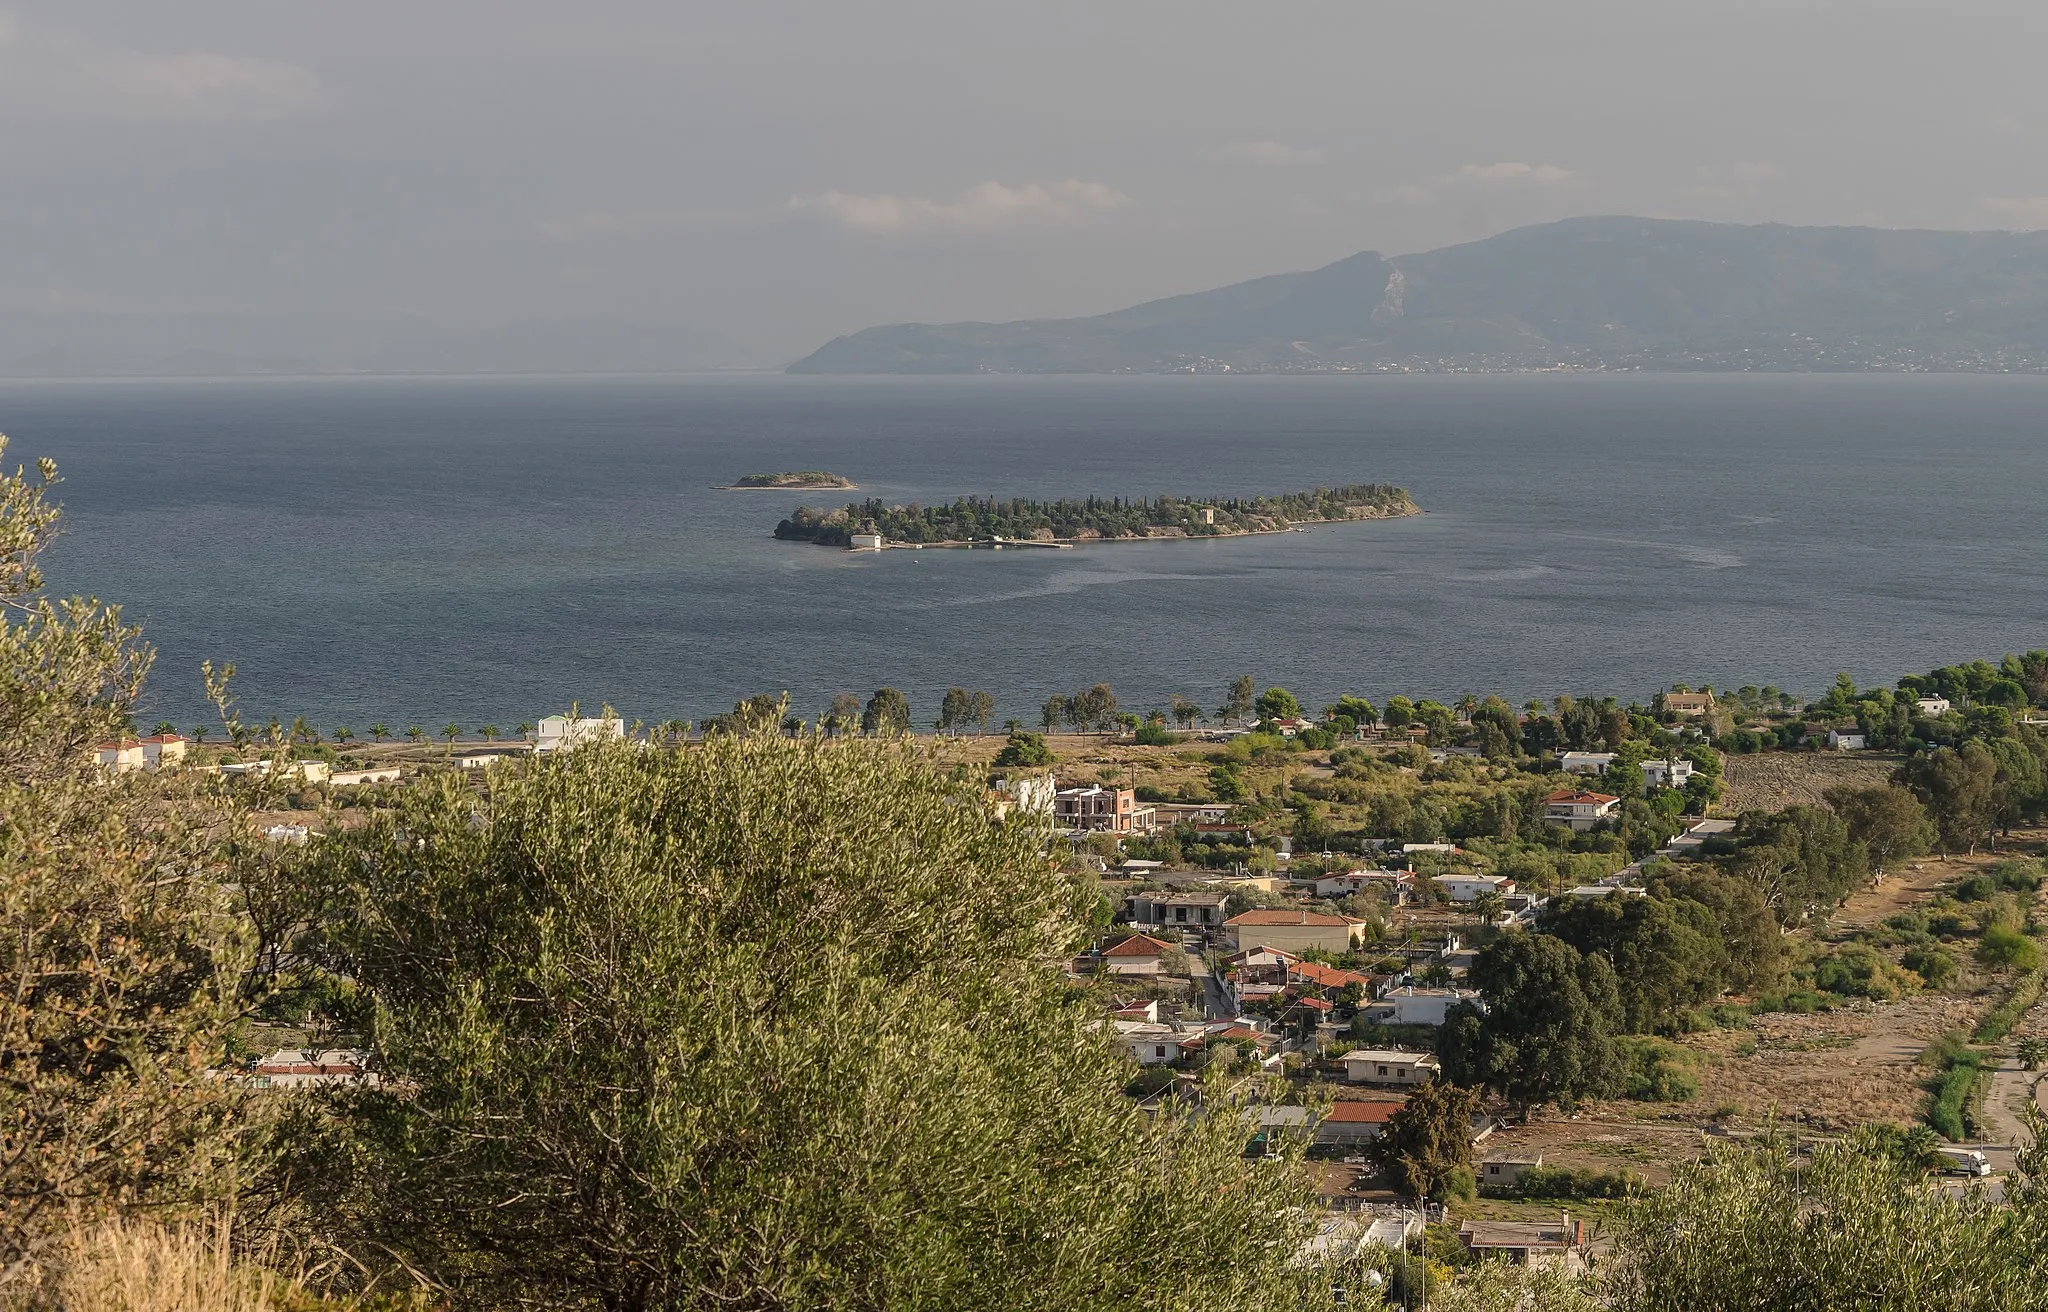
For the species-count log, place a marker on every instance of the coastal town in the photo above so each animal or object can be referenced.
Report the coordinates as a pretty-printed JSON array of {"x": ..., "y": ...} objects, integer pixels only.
[{"x": 1809, "y": 915}]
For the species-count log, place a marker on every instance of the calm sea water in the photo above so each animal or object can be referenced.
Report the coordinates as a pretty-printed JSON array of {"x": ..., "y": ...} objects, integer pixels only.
[{"x": 421, "y": 551}]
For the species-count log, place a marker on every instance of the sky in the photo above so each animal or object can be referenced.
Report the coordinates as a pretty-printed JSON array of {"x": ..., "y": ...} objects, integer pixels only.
[{"x": 526, "y": 184}]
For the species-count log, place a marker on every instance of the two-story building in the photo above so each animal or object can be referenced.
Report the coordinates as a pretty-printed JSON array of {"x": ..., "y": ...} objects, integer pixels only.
[
  {"x": 1580, "y": 811},
  {"x": 1096, "y": 809},
  {"x": 1412, "y": 1006}
]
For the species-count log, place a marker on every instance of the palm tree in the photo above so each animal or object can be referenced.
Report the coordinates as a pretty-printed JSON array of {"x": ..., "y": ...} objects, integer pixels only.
[
  {"x": 343, "y": 734},
  {"x": 164, "y": 727},
  {"x": 525, "y": 730},
  {"x": 489, "y": 732},
  {"x": 415, "y": 733},
  {"x": 1012, "y": 725},
  {"x": 451, "y": 731},
  {"x": 198, "y": 733},
  {"x": 305, "y": 733},
  {"x": 379, "y": 732}
]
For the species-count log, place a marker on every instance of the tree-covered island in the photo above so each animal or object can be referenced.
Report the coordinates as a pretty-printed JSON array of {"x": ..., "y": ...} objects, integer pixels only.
[
  {"x": 793, "y": 478},
  {"x": 971, "y": 520}
]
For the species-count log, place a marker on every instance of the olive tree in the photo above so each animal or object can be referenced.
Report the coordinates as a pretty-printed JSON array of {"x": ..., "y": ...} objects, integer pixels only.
[
  {"x": 120, "y": 950},
  {"x": 766, "y": 1024}
]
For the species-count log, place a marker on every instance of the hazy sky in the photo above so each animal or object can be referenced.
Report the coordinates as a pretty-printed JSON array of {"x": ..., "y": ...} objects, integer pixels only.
[{"x": 751, "y": 178}]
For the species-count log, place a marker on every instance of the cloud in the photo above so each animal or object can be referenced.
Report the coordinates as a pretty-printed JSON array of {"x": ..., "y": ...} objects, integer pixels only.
[
  {"x": 43, "y": 69},
  {"x": 1268, "y": 152},
  {"x": 2029, "y": 212},
  {"x": 987, "y": 207},
  {"x": 1505, "y": 175}
]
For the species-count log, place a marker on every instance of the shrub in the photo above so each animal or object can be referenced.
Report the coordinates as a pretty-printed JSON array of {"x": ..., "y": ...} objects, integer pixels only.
[
  {"x": 2008, "y": 949},
  {"x": 1660, "y": 1071},
  {"x": 1155, "y": 735},
  {"x": 1935, "y": 966},
  {"x": 1856, "y": 971},
  {"x": 1560, "y": 1182}
]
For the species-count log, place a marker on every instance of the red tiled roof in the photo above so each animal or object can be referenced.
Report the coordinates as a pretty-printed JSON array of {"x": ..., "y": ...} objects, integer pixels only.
[
  {"x": 1328, "y": 976},
  {"x": 122, "y": 744},
  {"x": 1356, "y": 1112},
  {"x": 165, "y": 738},
  {"x": 1288, "y": 918},
  {"x": 1137, "y": 945},
  {"x": 1589, "y": 799}
]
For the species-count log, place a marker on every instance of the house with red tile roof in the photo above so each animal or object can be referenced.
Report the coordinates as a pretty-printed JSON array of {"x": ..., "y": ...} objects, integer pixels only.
[
  {"x": 1140, "y": 954},
  {"x": 1356, "y": 1121},
  {"x": 1295, "y": 931},
  {"x": 1580, "y": 811}
]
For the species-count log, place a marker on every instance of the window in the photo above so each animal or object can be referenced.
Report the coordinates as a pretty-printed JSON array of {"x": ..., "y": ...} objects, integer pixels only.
[{"x": 1159, "y": 1051}]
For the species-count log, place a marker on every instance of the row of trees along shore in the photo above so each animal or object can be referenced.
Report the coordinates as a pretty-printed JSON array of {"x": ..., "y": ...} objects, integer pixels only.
[
  {"x": 765, "y": 1024},
  {"x": 982, "y": 519}
]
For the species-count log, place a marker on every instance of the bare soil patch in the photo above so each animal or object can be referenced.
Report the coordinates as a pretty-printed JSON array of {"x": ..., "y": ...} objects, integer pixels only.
[{"x": 1772, "y": 781}]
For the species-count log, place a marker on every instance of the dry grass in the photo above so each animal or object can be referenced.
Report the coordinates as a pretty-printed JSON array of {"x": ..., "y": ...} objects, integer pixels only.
[
  {"x": 1772, "y": 781},
  {"x": 130, "y": 1265}
]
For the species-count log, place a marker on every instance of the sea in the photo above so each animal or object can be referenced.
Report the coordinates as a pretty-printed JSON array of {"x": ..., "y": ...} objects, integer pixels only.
[{"x": 491, "y": 550}]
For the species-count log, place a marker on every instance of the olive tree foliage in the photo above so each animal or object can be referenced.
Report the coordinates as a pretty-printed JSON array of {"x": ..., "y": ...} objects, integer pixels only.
[
  {"x": 1853, "y": 1227},
  {"x": 120, "y": 952},
  {"x": 768, "y": 1024}
]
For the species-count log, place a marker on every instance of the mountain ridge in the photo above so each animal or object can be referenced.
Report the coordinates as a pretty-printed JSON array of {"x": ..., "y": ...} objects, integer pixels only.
[{"x": 1594, "y": 292}]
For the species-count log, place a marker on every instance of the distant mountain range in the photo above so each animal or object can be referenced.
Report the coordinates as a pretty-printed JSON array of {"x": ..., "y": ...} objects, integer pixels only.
[{"x": 1614, "y": 293}]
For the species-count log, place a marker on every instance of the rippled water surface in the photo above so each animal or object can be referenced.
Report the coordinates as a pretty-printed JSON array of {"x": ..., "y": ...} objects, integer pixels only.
[{"x": 487, "y": 550}]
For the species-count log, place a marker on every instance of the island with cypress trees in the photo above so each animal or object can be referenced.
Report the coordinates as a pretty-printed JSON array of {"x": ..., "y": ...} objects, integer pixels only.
[{"x": 990, "y": 521}]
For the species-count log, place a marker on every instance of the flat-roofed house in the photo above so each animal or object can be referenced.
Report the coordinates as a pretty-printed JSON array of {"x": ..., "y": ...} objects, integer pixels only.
[
  {"x": 1470, "y": 888},
  {"x": 1506, "y": 1168},
  {"x": 1389, "y": 1066},
  {"x": 1096, "y": 809},
  {"x": 1194, "y": 910},
  {"x": 1412, "y": 1006},
  {"x": 1528, "y": 1243}
]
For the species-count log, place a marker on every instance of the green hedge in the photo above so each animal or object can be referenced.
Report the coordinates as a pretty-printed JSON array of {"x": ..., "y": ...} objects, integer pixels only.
[{"x": 2003, "y": 1017}]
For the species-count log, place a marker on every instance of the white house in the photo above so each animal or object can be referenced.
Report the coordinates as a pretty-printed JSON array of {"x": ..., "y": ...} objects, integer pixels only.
[
  {"x": 1927, "y": 708},
  {"x": 1389, "y": 1066},
  {"x": 1848, "y": 738},
  {"x": 865, "y": 541},
  {"x": 1412, "y": 1006},
  {"x": 1470, "y": 888},
  {"x": 1578, "y": 810},
  {"x": 1149, "y": 1042},
  {"x": 1026, "y": 795},
  {"x": 120, "y": 755},
  {"x": 558, "y": 731},
  {"x": 1586, "y": 762},
  {"x": 1602, "y": 890},
  {"x": 1397, "y": 885},
  {"x": 297, "y": 1068},
  {"x": 1675, "y": 772}
]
